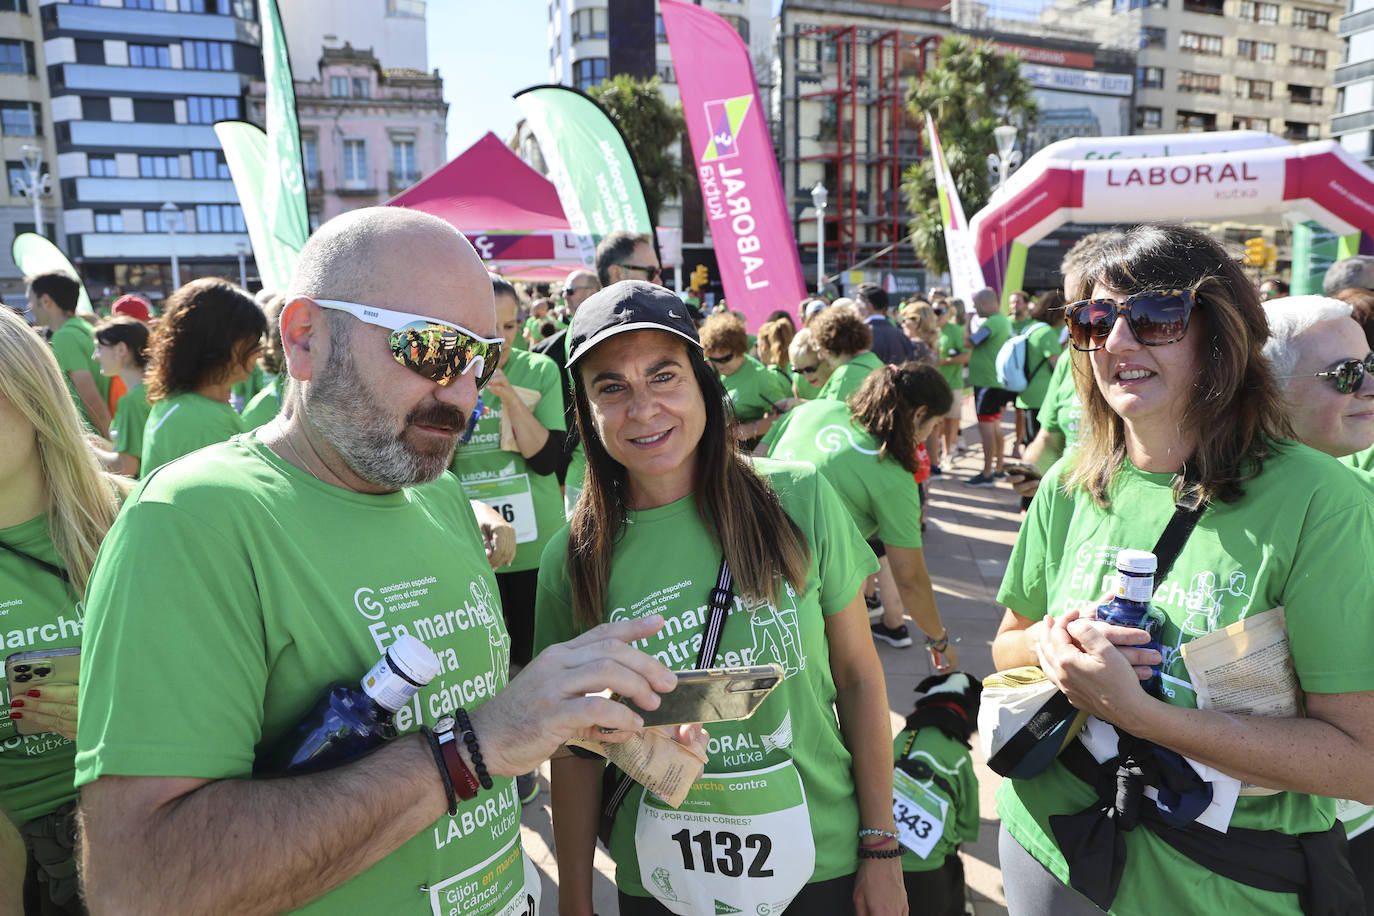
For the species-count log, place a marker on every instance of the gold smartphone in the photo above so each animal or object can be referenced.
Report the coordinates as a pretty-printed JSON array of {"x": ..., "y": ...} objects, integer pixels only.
[
  {"x": 27, "y": 670},
  {"x": 712, "y": 695}
]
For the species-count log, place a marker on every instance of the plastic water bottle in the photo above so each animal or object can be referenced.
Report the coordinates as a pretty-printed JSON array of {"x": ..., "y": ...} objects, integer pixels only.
[
  {"x": 1130, "y": 604},
  {"x": 348, "y": 721}
]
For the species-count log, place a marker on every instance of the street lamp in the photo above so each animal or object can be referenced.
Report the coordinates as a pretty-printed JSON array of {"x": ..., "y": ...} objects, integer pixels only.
[
  {"x": 39, "y": 186},
  {"x": 1006, "y": 158},
  {"x": 819, "y": 196},
  {"x": 243, "y": 269},
  {"x": 172, "y": 212}
]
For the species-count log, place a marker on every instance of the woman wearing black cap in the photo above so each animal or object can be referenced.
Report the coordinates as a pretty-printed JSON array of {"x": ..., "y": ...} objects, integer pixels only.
[{"x": 795, "y": 807}]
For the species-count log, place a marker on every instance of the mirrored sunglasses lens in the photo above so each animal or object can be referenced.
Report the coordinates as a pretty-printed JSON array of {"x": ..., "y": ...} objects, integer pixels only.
[
  {"x": 1090, "y": 323},
  {"x": 441, "y": 353},
  {"x": 1349, "y": 377},
  {"x": 1159, "y": 319}
]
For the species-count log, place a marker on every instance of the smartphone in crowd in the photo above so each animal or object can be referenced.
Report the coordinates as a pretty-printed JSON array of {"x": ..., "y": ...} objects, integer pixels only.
[
  {"x": 26, "y": 670},
  {"x": 712, "y": 695},
  {"x": 1025, "y": 470}
]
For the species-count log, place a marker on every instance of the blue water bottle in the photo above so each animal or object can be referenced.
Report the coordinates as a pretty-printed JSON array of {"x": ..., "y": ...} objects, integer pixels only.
[{"x": 1130, "y": 604}]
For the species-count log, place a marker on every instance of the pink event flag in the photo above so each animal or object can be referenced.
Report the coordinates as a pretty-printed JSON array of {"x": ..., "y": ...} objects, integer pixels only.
[{"x": 740, "y": 187}]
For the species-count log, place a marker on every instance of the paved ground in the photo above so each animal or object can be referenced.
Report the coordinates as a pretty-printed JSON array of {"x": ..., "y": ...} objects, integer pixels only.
[{"x": 968, "y": 539}]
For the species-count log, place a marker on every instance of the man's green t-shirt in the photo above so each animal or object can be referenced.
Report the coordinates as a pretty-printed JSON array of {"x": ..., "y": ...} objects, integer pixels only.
[
  {"x": 235, "y": 588},
  {"x": 266, "y": 404},
  {"x": 1062, "y": 411},
  {"x": 1042, "y": 344},
  {"x": 952, "y": 344},
  {"x": 130, "y": 419},
  {"x": 952, "y": 781},
  {"x": 848, "y": 378},
  {"x": 37, "y": 612},
  {"x": 751, "y": 387},
  {"x": 74, "y": 346},
  {"x": 1237, "y": 562},
  {"x": 982, "y": 361},
  {"x": 667, "y": 562},
  {"x": 503, "y": 480},
  {"x": 183, "y": 423},
  {"x": 1018, "y": 326},
  {"x": 882, "y": 497}
]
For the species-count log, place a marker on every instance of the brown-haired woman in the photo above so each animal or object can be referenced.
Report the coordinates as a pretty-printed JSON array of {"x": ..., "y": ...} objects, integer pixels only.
[
  {"x": 866, "y": 448},
  {"x": 207, "y": 341},
  {"x": 669, "y": 506},
  {"x": 843, "y": 341},
  {"x": 121, "y": 348},
  {"x": 756, "y": 394},
  {"x": 1178, "y": 402}
]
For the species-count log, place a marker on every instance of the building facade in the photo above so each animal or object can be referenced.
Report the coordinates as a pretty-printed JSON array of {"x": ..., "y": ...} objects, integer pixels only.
[
  {"x": 393, "y": 29},
  {"x": 136, "y": 88},
  {"x": 25, "y": 124},
  {"x": 1353, "y": 120}
]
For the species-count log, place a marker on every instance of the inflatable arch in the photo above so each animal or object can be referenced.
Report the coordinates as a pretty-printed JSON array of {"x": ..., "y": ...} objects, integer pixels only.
[{"x": 1178, "y": 176}]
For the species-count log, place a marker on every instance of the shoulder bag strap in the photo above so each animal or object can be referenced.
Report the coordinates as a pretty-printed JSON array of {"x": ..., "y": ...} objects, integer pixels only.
[
  {"x": 57, "y": 571},
  {"x": 1187, "y": 511}
]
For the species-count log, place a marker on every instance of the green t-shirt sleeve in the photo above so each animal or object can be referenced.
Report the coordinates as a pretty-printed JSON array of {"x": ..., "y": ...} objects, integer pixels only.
[
  {"x": 553, "y": 619},
  {"x": 131, "y": 414},
  {"x": 1025, "y": 588},
  {"x": 73, "y": 351},
  {"x": 775, "y": 431},
  {"x": 549, "y": 410},
  {"x": 843, "y": 557},
  {"x": 897, "y": 507},
  {"x": 1054, "y": 397},
  {"x": 147, "y": 627}
]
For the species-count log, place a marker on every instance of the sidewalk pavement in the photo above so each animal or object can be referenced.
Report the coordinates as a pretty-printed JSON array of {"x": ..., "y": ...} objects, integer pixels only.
[{"x": 969, "y": 535}]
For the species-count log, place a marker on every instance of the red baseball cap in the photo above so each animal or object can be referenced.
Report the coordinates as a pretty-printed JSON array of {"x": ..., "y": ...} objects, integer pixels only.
[{"x": 133, "y": 306}]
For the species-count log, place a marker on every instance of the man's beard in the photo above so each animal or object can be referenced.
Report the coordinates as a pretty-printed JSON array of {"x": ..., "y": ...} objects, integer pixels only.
[{"x": 355, "y": 423}]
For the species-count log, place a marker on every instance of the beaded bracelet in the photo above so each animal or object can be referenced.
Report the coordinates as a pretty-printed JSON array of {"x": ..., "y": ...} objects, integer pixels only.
[
  {"x": 470, "y": 739},
  {"x": 880, "y": 853},
  {"x": 443, "y": 770},
  {"x": 938, "y": 645},
  {"x": 869, "y": 831},
  {"x": 874, "y": 844}
]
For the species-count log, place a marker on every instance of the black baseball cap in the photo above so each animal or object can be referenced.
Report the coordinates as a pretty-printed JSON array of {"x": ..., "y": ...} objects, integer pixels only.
[{"x": 630, "y": 305}]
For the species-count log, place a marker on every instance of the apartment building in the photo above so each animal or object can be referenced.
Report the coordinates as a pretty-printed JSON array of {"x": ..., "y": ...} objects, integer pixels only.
[{"x": 1353, "y": 120}]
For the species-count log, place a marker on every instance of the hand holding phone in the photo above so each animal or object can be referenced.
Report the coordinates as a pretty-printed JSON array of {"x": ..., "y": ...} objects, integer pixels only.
[
  {"x": 711, "y": 695},
  {"x": 53, "y": 675},
  {"x": 1025, "y": 470}
]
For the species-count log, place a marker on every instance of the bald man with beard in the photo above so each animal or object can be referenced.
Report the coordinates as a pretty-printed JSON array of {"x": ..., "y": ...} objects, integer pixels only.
[{"x": 242, "y": 581}]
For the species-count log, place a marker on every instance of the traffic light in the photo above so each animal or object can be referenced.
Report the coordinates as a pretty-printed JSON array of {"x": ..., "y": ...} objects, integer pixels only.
[
  {"x": 1271, "y": 258},
  {"x": 700, "y": 277},
  {"x": 1254, "y": 252}
]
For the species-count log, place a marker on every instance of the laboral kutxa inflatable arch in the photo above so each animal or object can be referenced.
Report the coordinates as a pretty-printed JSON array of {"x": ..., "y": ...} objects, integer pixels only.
[{"x": 1216, "y": 175}]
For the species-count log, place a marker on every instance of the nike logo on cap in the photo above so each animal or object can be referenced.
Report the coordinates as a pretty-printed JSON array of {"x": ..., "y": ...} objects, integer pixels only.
[{"x": 673, "y": 314}]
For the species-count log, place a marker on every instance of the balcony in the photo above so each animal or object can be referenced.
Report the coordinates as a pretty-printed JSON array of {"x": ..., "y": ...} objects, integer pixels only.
[
  {"x": 119, "y": 80},
  {"x": 129, "y": 135},
  {"x": 155, "y": 190},
  {"x": 1209, "y": 7},
  {"x": 116, "y": 22},
  {"x": 1304, "y": 95}
]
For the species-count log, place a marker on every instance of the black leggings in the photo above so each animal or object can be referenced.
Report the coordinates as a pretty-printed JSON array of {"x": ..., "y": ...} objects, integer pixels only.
[{"x": 833, "y": 898}]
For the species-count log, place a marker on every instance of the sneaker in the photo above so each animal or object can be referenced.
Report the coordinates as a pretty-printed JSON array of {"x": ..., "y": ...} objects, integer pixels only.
[
  {"x": 527, "y": 787},
  {"x": 935, "y": 470},
  {"x": 898, "y": 637},
  {"x": 979, "y": 480},
  {"x": 873, "y": 601},
  {"x": 999, "y": 475}
]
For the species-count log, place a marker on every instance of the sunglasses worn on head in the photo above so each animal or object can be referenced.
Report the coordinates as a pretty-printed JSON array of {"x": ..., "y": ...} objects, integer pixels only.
[
  {"x": 1348, "y": 377},
  {"x": 1156, "y": 317},
  {"x": 650, "y": 272},
  {"x": 437, "y": 350}
]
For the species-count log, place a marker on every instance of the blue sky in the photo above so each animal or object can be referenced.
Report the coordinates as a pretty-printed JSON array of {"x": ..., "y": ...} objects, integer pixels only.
[{"x": 486, "y": 50}]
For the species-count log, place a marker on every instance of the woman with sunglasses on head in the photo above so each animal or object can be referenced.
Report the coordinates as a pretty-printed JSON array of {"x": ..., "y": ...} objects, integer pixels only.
[
  {"x": 121, "y": 348},
  {"x": 1179, "y": 407},
  {"x": 798, "y": 798},
  {"x": 56, "y": 506},
  {"x": 207, "y": 340}
]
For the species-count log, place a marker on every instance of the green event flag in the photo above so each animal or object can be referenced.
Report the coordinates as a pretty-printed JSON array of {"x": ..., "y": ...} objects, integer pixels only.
[
  {"x": 283, "y": 199},
  {"x": 245, "y": 149},
  {"x": 33, "y": 255},
  {"x": 588, "y": 162}
]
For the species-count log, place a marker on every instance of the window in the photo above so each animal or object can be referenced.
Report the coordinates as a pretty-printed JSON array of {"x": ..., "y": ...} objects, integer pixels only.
[
  {"x": 145, "y": 4},
  {"x": 360, "y": 87},
  {"x": 1256, "y": 50},
  {"x": 1206, "y": 83},
  {"x": 403, "y": 165},
  {"x": 1307, "y": 57},
  {"x": 16, "y": 57},
  {"x": 219, "y": 218},
  {"x": 740, "y": 25},
  {"x": 1311, "y": 19},
  {"x": 1148, "y": 118},
  {"x": 1195, "y": 121},
  {"x": 93, "y": 109},
  {"x": 1262, "y": 90},
  {"x": 1151, "y": 37},
  {"x": 660, "y": 32},
  {"x": 154, "y": 111},
  {"x": 1298, "y": 130},
  {"x": 207, "y": 55},
  {"x": 14, "y": 6},
  {"x": 206, "y": 163},
  {"x": 1259, "y": 12},
  {"x": 1198, "y": 43},
  {"x": 1304, "y": 95},
  {"x": 159, "y": 166},
  {"x": 157, "y": 221},
  {"x": 197, "y": 6},
  {"x": 1150, "y": 77},
  {"x": 150, "y": 56},
  {"x": 21, "y": 119},
  {"x": 310, "y": 161},
  {"x": 588, "y": 24},
  {"x": 338, "y": 87},
  {"x": 1121, "y": 6},
  {"x": 85, "y": 2},
  {"x": 355, "y": 164},
  {"x": 207, "y": 109},
  {"x": 102, "y": 167},
  {"x": 1210, "y": 7},
  {"x": 589, "y": 72},
  {"x": 89, "y": 51},
  {"x": 245, "y": 9},
  {"x": 18, "y": 176},
  {"x": 109, "y": 221}
]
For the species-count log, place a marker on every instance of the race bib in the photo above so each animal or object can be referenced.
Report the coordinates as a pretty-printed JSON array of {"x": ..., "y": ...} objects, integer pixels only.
[
  {"x": 740, "y": 843},
  {"x": 919, "y": 812},
  {"x": 500, "y": 886},
  {"x": 511, "y": 497}
]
